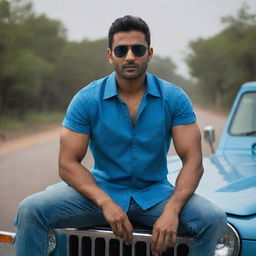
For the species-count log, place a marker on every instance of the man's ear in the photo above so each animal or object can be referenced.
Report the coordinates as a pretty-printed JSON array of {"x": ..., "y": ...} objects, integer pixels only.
[
  {"x": 110, "y": 56},
  {"x": 150, "y": 53}
]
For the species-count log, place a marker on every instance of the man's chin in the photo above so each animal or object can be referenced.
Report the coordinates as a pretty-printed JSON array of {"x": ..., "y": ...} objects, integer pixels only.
[{"x": 131, "y": 75}]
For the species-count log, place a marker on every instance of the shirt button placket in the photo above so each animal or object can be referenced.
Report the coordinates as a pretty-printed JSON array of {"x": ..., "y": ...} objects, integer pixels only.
[{"x": 134, "y": 157}]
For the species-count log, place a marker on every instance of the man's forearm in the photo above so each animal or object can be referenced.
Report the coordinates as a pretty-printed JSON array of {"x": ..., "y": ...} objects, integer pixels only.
[
  {"x": 186, "y": 184},
  {"x": 82, "y": 180}
]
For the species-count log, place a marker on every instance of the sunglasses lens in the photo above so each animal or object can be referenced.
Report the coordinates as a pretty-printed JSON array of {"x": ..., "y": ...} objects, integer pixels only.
[
  {"x": 139, "y": 50},
  {"x": 120, "y": 51}
]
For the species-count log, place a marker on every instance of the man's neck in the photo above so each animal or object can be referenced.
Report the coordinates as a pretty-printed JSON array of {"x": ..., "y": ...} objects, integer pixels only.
[{"x": 131, "y": 87}]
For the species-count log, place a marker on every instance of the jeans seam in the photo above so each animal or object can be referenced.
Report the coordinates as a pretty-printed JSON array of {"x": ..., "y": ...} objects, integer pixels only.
[{"x": 66, "y": 215}]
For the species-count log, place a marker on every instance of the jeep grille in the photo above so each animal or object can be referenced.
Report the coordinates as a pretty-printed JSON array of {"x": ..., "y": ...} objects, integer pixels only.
[{"x": 102, "y": 242}]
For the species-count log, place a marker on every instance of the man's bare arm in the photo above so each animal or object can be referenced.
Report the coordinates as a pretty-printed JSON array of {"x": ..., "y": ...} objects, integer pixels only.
[
  {"x": 187, "y": 142},
  {"x": 73, "y": 147}
]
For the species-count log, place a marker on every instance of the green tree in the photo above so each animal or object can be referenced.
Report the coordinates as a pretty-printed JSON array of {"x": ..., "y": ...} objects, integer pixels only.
[
  {"x": 165, "y": 68},
  {"x": 223, "y": 62},
  {"x": 47, "y": 39},
  {"x": 80, "y": 64},
  {"x": 19, "y": 66},
  {"x": 30, "y": 46}
]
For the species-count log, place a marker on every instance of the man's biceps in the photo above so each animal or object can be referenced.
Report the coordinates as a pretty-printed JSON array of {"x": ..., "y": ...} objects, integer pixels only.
[
  {"x": 74, "y": 143},
  {"x": 186, "y": 130},
  {"x": 186, "y": 138},
  {"x": 74, "y": 137}
]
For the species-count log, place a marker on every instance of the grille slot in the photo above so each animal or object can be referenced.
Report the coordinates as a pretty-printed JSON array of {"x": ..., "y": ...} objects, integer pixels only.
[
  {"x": 182, "y": 249},
  {"x": 140, "y": 248},
  {"x": 102, "y": 242},
  {"x": 99, "y": 246},
  {"x": 170, "y": 252},
  {"x": 86, "y": 245},
  {"x": 73, "y": 245},
  {"x": 114, "y": 247},
  {"x": 127, "y": 250}
]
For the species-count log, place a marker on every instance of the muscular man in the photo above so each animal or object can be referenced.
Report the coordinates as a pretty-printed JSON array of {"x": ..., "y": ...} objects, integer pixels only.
[{"x": 129, "y": 118}]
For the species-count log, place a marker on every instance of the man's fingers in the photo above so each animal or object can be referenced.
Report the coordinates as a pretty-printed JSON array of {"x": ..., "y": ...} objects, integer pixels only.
[
  {"x": 119, "y": 229},
  {"x": 159, "y": 243},
  {"x": 128, "y": 230},
  {"x": 169, "y": 240},
  {"x": 173, "y": 239},
  {"x": 166, "y": 241},
  {"x": 123, "y": 229},
  {"x": 113, "y": 227},
  {"x": 154, "y": 240}
]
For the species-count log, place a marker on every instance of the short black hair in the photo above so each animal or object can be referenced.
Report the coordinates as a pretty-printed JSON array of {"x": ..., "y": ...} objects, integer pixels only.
[{"x": 126, "y": 24}]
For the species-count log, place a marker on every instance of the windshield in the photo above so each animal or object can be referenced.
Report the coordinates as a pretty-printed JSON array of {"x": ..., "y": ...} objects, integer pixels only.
[{"x": 244, "y": 121}]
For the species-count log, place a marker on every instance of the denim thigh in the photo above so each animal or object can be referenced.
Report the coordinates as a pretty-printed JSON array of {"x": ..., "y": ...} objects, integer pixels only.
[
  {"x": 193, "y": 218},
  {"x": 61, "y": 207}
]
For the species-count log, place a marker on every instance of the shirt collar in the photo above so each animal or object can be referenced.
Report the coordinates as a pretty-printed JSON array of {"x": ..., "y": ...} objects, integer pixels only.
[
  {"x": 111, "y": 87},
  {"x": 152, "y": 85}
]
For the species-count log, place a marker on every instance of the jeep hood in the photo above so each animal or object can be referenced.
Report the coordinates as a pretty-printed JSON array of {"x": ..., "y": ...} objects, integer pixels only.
[{"x": 229, "y": 181}]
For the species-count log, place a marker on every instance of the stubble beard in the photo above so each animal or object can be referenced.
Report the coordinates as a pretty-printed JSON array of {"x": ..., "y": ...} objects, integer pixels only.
[{"x": 140, "y": 71}]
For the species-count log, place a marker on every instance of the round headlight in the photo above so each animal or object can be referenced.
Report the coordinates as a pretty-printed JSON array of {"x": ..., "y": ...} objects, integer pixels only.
[
  {"x": 229, "y": 244},
  {"x": 52, "y": 242}
]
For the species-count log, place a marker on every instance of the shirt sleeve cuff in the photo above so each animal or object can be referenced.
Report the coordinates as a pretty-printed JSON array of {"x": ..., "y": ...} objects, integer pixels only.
[
  {"x": 186, "y": 120},
  {"x": 76, "y": 127}
]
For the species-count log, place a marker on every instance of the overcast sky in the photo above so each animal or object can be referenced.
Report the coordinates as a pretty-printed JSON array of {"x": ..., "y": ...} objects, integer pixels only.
[{"x": 173, "y": 23}]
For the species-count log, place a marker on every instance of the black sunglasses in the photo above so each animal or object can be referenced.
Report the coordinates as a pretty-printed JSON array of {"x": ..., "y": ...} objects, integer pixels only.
[{"x": 138, "y": 50}]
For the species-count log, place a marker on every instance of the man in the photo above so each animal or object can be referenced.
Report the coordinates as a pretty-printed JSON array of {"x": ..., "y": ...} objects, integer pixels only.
[{"x": 129, "y": 118}]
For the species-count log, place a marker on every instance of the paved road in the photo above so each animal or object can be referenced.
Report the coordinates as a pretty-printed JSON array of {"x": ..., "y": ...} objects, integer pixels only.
[{"x": 29, "y": 169}]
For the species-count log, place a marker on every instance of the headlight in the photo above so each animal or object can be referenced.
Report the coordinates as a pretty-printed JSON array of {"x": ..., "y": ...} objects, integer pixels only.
[
  {"x": 52, "y": 242},
  {"x": 229, "y": 244}
]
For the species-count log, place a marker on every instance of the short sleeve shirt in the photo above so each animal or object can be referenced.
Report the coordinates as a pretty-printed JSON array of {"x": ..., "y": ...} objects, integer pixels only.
[{"x": 130, "y": 160}]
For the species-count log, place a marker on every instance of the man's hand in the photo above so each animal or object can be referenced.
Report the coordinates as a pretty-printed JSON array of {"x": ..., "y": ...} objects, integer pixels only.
[
  {"x": 118, "y": 220},
  {"x": 165, "y": 228}
]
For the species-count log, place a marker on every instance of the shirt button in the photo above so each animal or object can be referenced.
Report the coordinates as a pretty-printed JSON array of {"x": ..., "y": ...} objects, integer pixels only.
[{"x": 134, "y": 157}]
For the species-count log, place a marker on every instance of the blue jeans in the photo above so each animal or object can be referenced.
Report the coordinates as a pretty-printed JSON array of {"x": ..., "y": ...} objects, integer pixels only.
[{"x": 64, "y": 207}]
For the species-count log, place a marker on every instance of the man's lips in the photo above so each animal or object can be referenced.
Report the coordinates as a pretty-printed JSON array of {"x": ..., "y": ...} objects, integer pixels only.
[{"x": 130, "y": 66}]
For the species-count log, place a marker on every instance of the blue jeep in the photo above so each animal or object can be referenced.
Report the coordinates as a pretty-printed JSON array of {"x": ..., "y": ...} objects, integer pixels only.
[{"x": 229, "y": 181}]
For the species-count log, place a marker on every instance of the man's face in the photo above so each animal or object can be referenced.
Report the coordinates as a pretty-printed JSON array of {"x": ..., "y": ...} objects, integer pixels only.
[{"x": 130, "y": 66}]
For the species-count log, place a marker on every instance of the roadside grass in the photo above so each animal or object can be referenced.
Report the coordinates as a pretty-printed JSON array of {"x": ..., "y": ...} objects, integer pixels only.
[{"x": 31, "y": 122}]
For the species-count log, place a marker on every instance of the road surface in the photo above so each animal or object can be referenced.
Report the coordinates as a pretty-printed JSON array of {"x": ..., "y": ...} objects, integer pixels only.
[{"x": 29, "y": 164}]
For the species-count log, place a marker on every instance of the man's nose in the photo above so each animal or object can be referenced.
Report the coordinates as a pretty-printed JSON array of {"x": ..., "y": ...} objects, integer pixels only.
[{"x": 130, "y": 55}]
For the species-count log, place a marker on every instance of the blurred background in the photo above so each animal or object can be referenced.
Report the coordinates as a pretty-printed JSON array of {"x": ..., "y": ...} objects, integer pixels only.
[{"x": 50, "y": 49}]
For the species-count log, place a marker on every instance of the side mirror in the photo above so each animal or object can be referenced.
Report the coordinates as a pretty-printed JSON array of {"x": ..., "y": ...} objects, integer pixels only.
[{"x": 209, "y": 136}]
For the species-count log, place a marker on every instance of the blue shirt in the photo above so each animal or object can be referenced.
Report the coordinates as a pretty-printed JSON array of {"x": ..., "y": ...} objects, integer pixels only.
[{"x": 130, "y": 161}]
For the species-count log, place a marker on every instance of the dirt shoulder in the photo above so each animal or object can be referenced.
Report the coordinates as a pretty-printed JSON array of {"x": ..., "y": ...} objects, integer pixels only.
[{"x": 16, "y": 142}]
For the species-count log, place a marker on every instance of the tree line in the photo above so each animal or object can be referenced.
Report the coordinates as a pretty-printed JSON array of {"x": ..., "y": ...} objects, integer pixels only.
[
  {"x": 40, "y": 69},
  {"x": 223, "y": 62}
]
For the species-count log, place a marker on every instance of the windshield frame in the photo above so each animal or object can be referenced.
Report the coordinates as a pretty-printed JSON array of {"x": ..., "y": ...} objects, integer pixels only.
[{"x": 235, "y": 113}]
